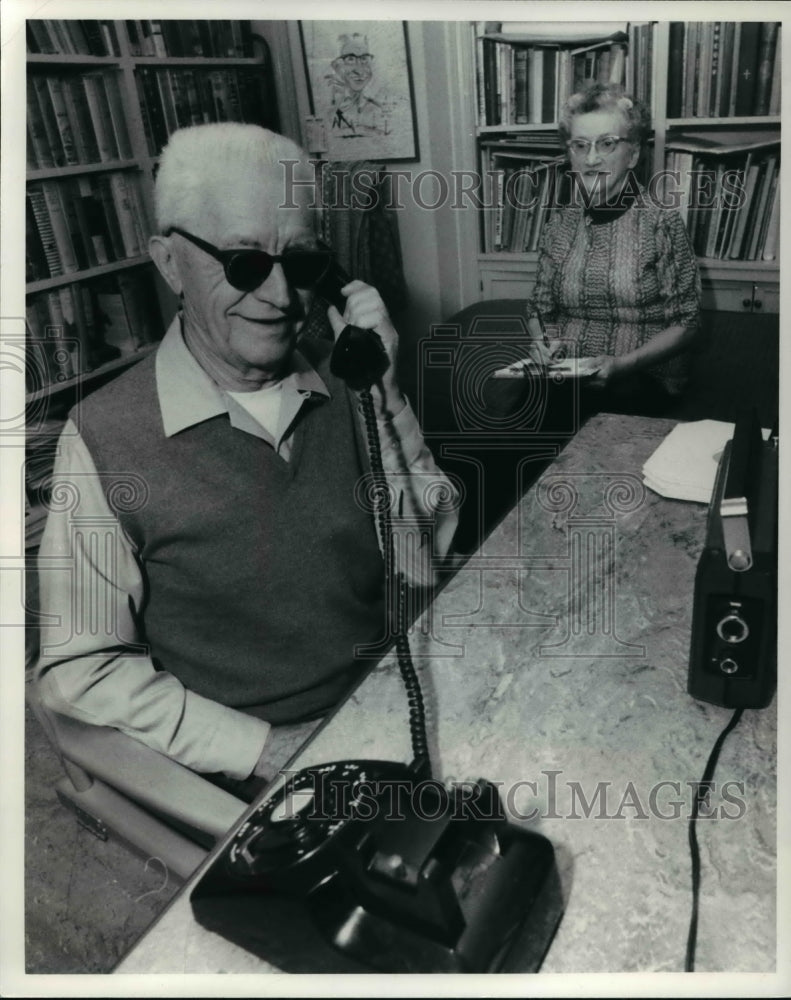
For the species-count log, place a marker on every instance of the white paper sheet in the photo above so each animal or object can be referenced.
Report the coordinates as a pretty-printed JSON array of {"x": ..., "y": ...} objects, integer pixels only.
[{"x": 684, "y": 466}]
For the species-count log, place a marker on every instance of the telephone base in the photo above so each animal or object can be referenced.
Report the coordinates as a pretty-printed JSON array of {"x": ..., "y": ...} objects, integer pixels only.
[
  {"x": 485, "y": 896},
  {"x": 332, "y": 933}
]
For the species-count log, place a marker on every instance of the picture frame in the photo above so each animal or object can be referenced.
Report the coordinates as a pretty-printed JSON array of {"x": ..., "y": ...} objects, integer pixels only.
[{"x": 360, "y": 89}]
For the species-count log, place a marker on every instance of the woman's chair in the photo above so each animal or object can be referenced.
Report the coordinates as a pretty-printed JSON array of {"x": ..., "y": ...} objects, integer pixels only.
[
  {"x": 734, "y": 368},
  {"x": 472, "y": 422}
]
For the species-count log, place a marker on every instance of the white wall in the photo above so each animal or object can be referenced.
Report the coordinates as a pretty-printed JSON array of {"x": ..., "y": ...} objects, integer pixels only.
[{"x": 439, "y": 245}]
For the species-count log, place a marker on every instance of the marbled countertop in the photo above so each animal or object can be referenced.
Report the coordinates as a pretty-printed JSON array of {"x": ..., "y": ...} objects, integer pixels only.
[{"x": 555, "y": 663}]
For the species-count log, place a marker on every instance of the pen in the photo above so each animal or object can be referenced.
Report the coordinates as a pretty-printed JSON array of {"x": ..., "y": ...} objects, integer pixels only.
[
  {"x": 542, "y": 327},
  {"x": 540, "y": 319}
]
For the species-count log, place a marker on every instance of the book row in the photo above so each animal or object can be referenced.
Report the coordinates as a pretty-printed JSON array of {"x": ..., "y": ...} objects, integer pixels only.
[
  {"x": 75, "y": 119},
  {"x": 78, "y": 119},
  {"x": 212, "y": 39},
  {"x": 77, "y": 223},
  {"x": 529, "y": 84},
  {"x": 640, "y": 66},
  {"x": 729, "y": 201},
  {"x": 77, "y": 328},
  {"x": 523, "y": 185},
  {"x": 731, "y": 204},
  {"x": 172, "y": 99},
  {"x": 72, "y": 37},
  {"x": 718, "y": 69},
  {"x": 524, "y": 193}
]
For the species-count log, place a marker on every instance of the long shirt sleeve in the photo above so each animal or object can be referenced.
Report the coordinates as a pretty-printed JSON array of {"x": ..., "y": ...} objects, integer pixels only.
[
  {"x": 542, "y": 298},
  {"x": 93, "y": 664},
  {"x": 420, "y": 493}
]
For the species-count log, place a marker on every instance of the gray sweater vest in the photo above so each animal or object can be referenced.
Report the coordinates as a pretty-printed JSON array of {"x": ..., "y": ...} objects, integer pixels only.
[{"x": 261, "y": 575}]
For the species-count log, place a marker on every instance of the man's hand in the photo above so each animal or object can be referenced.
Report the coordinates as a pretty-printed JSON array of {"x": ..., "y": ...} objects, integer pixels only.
[
  {"x": 263, "y": 766},
  {"x": 365, "y": 308}
]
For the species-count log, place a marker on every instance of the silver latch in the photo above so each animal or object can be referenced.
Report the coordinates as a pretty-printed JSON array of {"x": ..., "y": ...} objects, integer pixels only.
[{"x": 736, "y": 533}]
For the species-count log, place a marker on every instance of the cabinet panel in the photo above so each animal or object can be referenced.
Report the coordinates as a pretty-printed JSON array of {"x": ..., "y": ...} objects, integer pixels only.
[
  {"x": 507, "y": 279},
  {"x": 766, "y": 298},
  {"x": 722, "y": 295}
]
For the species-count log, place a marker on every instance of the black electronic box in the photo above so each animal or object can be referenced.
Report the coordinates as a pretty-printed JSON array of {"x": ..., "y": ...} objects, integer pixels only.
[{"x": 733, "y": 654}]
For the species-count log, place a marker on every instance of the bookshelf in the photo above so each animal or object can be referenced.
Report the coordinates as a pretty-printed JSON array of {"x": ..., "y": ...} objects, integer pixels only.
[
  {"x": 714, "y": 91},
  {"x": 102, "y": 98}
]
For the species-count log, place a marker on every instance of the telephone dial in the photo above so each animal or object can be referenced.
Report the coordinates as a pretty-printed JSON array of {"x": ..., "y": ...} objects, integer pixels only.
[{"x": 374, "y": 866}]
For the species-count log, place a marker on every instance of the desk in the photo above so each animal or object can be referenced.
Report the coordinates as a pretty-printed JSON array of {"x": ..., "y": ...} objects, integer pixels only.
[{"x": 557, "y": 656}]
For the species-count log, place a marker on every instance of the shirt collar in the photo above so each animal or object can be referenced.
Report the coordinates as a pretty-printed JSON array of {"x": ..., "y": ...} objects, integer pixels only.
[
  {"x": 600, "y": 215},
  {"x": 634, "y": 194},
  {"x": 187, "y": 396}
]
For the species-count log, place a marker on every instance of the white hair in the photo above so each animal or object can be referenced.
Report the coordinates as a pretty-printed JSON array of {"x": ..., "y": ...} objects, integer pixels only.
[{"x": 203, "y": 166}]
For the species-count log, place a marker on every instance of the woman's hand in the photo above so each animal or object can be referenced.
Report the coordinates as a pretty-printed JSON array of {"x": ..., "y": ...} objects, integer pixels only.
[
  {"x": 539, "y": 347},
  {"x": 540, "y": 352},
  {"x": 610, "y": 368}
]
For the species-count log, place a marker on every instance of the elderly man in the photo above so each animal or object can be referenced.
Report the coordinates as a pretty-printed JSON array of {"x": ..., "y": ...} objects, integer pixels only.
[{"x": 244, "y": 569}]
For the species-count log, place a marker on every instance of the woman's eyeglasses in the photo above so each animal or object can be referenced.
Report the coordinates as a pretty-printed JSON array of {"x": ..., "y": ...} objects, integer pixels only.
[
  {"x": 247, "y": 269},
  {"x": 604, "y": 146}
]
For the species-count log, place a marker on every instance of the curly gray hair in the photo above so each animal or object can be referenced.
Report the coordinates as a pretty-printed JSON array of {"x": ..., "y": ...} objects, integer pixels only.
[{"x": 608, "y": 97}]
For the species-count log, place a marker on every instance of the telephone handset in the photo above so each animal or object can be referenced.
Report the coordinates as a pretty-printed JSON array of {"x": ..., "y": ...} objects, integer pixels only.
[
  {"x": 359, "y": 357},
  {"x": 361, "y": 866}
]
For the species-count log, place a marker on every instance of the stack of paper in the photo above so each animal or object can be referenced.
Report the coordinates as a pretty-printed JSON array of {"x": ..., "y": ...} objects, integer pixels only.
[
  {"x": 570, "y": 368},
  {"x": 684, "y": 466}
]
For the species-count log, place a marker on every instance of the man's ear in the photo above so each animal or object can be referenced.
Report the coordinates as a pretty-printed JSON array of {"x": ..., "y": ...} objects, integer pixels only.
[{"x": 161, "y": 251}]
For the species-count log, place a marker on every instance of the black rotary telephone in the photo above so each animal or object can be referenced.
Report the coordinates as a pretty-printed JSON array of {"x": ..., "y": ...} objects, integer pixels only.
[{"x": 370, "y": 865}]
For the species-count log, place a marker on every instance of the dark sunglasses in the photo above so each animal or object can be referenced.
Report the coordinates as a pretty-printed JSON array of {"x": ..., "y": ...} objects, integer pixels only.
[{"x": 247, "y": 269}]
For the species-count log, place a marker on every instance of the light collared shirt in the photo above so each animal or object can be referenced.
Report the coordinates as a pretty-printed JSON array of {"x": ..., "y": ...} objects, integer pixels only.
[
  {"x": 86, "y": 675},
  {"x": 188, "y": 396}
]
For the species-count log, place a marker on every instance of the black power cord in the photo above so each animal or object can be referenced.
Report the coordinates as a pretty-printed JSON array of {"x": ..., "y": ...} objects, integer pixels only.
[
  {"x": 417, "y": 717},
  {"x": 700, "y": 797}
]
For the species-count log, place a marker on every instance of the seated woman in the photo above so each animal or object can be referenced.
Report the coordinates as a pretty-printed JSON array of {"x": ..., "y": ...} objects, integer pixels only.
[{"x": 617, "y": 275}]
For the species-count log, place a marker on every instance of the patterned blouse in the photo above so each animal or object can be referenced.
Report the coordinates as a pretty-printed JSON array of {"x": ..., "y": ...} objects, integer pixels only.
[{"x": 610, "y": 286}]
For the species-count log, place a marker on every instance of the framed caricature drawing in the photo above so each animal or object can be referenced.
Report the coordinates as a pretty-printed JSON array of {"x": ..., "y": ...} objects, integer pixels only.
[{"x": 360, "y": 86}]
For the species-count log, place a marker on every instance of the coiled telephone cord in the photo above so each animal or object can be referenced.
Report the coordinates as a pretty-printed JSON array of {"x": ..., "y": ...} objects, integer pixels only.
[{"x": 396, "y": 588}]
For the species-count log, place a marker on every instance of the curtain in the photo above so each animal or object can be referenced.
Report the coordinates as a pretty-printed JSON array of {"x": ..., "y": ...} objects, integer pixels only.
[
  {"x": 360, "y": 224},
  {"x": 358, "y": 221}
]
